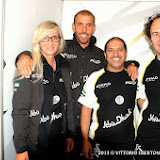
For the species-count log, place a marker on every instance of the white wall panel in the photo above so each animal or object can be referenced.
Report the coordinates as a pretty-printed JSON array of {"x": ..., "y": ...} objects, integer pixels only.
[{"x": 2, "y": 2}]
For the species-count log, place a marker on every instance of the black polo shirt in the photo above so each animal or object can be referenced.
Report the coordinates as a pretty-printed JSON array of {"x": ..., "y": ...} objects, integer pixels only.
[{"x": 112, "y": 98}]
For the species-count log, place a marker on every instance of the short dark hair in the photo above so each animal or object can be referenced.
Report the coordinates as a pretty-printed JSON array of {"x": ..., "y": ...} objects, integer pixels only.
[
  {"x": 125, "y": 46},
  {"x": 86, "y": 13},
  {"x": 147, "y": 26}
]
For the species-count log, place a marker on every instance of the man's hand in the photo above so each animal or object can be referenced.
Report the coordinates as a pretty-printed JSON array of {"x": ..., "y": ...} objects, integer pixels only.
[
  {"x": 25, "y": 65},
  {"x": 22, "y": 156},
  {"x": 87, "y": 149},
  {"x": 132, "y": 72},
  {"x": 69, "y": 144}
]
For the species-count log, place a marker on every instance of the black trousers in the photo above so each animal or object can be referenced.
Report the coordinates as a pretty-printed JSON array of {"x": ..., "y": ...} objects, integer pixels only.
[{"x": 55, "y": 150}]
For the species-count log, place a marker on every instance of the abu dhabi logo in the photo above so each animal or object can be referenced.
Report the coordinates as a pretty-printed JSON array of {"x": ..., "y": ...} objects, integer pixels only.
[{"x": 119, "y": 119}]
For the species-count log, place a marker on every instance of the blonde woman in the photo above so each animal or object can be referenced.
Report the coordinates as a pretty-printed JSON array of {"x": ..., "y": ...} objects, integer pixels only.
[{"x": 42, "y": 105}]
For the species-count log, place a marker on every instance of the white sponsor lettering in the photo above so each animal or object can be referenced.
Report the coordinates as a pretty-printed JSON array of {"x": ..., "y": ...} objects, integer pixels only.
[
  {"x": 55, "y": 116},
  {"x": 70, "y": 56},
  {"x": 96, "y": 61},
  {"x": 45, "y": 81},
  {"x": 119, "y": 120},
  {"x": 131, "y": 82},
  {"x": 153, "y": 118},
  {"x": 35, "y": 75},
  {"x": 85, "y": 78},
  {"x": 15, "y": 89},
  {"x": 149, "y": 79},
  {"x": 103, "y": 85},
  {"x": 61, "y": 80},
  {"x": 75, "y": 85},
  {"x": 33, "y": 113},
  {"x": 44, "y": 119}
]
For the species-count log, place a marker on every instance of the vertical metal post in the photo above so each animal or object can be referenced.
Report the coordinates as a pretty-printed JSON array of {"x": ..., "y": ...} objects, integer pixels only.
[{"x": 2, "y": 20}]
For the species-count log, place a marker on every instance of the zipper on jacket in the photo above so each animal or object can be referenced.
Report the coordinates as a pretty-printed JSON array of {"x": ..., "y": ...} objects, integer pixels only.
[{"x": 63, "y": 107}]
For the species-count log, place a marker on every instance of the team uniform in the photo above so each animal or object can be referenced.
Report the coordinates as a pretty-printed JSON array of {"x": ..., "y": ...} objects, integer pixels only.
[
  {"x": 112, "y": 99},
  {"x": 39, "y": 112},
  {"x": 148, "y": 134}
]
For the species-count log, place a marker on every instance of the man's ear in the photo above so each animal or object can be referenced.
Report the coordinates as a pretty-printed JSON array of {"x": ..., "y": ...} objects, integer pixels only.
[
  {"x": 126, "y": 54},
  {"x": 150, "y": 42},
  {"x": 73, "y": 27},
  {"x": 94, "y": 28}
]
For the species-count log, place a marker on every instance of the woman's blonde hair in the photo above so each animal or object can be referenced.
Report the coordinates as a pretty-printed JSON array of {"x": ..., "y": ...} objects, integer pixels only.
[{"x": 41, "y": 32}]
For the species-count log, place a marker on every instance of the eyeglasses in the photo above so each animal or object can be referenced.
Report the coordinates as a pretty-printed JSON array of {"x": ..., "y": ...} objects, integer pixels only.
[{"x": 53, "y": 38}]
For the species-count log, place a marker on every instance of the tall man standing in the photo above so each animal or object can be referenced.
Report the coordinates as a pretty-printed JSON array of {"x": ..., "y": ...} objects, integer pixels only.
[{"x": 148, "y": 134}]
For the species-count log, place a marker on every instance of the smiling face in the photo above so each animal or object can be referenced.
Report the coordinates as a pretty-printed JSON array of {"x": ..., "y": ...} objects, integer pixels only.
[
  {"x": 115, "y": 55},
  {"x": 49, "y": 48},
  {"x": 155, "y": 36},
  {"x": 83, "y": 27}
]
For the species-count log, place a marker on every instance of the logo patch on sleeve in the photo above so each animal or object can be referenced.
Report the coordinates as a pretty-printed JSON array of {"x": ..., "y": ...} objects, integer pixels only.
[{"x": 16, "y": 84}]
